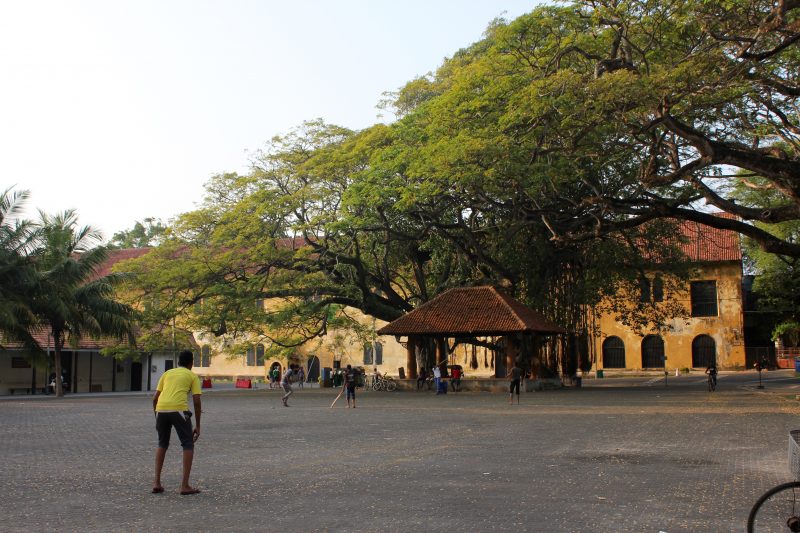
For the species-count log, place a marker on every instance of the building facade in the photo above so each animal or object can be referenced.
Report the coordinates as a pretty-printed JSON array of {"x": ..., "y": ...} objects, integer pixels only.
[{"x": 712, "y": 331}]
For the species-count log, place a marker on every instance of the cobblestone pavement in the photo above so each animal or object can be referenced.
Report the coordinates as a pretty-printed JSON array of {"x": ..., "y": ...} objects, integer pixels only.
[{"x": 599, "y": 460}]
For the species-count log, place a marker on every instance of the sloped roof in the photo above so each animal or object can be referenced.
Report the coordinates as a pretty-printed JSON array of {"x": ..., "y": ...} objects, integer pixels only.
[
  {"x": 470, "y": 311},
  {"x": 118, "y": 255},
  {"x": 704, "y": 243}
]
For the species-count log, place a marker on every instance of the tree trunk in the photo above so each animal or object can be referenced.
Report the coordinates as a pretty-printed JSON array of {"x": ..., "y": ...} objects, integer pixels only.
[
  {"x": 411, "y": 357},
  {"x": 57, "y": 344}
]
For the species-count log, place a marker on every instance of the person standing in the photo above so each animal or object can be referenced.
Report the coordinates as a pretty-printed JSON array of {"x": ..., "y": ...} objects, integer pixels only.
[
  {"x": 286, "y": 383},
  {"x": 350, "y": 385},
  {"x": 455, "y": 380},
  {"x": 514, "y": 376},
  {"x": 171, "y": 408},
  {"x": 437, "y": 377},
  {"x": 301, "y": 376}
]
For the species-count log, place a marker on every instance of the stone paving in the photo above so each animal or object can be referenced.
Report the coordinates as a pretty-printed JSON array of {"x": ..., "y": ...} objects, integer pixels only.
[{"x": 600, "y": 460}]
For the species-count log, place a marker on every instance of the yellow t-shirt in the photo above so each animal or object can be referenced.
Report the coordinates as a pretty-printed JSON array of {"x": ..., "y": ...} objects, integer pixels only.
[{"x": 175, "y": 385}]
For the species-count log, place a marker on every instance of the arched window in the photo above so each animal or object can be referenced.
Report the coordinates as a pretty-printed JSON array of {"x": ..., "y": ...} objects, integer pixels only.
[
  {"x": 251, "y": 356},
  {"x": 652, "y": 352},
  {"x": 196, "y": 354},
  {"x": 658, "y": 289},
  {"x": 205, "y": 355},
  {"x": 259, "y": 355},
  {"x": 378, "y": 353},
  {"x": 368, "y": 353},
  {"x": 704, "y": 352},
  {"x": 613, "y": 353}
]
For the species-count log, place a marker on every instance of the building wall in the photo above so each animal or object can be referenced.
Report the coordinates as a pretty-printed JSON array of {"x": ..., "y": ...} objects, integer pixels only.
[
  {"x": 11, "y": 377},
  {"x": 727, "y": 328}
]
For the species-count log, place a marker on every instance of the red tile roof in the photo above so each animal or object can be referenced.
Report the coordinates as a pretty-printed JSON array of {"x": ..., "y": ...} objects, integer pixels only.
[
  {"x": 116, "y": 256},
  {"x": 470, "y": 311},
  {"x": 704, "y": 243}
]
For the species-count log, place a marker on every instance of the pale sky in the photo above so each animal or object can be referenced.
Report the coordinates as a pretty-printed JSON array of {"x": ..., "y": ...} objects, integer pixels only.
[{"x": 124, "y": 109}]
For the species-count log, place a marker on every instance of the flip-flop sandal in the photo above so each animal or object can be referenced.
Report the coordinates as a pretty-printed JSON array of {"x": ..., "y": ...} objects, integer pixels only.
[
  {"x": 158, "y": 490},
  {"x": 189, "y": 492}
]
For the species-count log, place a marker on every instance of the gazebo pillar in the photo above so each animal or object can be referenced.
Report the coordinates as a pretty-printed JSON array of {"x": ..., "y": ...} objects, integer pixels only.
[
  {"x": 512, "y": 350},
  {"x": 442, "y": 356},
  {"x": 411, "y": 357}
]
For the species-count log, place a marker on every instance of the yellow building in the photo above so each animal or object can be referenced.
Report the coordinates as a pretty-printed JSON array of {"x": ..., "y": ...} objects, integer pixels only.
[{"x": 713, "y": 329}]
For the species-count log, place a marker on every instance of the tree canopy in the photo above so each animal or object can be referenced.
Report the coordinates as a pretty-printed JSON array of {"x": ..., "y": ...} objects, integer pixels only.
[{"x": 545, "y": 158}]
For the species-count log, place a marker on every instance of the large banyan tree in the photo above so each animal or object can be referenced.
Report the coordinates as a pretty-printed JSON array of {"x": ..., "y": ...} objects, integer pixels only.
[{"x": 548, "y": 158}]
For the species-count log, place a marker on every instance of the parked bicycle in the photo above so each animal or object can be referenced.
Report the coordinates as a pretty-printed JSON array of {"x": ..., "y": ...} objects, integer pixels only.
[
  {"x": 778, "y": 509},
  {"x": 384, "y": 383}
]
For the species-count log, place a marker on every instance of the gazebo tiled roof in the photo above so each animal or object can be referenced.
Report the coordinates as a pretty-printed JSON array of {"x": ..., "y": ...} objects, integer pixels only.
[{"x": 469, "y": 311}]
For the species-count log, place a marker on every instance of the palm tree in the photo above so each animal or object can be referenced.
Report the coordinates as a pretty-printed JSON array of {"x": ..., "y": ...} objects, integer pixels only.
[
  {"x": 71, "y": 298},
  {"x": 17, "y": 274}
]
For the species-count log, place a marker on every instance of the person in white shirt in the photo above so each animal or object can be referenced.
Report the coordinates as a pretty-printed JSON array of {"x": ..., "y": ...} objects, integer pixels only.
[
  {"x": 287, "y": 384},
  {"x": 437, "y": 377}
]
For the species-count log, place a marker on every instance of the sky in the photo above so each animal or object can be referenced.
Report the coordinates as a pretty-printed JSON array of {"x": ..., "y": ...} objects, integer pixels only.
[{"x": 123, "y": 109}]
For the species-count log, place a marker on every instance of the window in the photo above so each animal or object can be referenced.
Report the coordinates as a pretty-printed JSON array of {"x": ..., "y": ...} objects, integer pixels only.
[
  {"x": 704, "y": 352},
  {"x": 613, "y": 353},
  {"x": 378, "y": 353},
  {"x": 658, "y": 289},
  {"x": 205, "y": 355},
  {"x": 251, "y": 356},
  {"x": 652, "y": 352},
  {"x": 644, "y": 289},
  {"x": 20, "y": 362},
  {"x": 368, "y": 354},
  {"x": 259, "y": 355},
  {"x": 196, "y": 354},
  {"x": 704, "y": 298}
]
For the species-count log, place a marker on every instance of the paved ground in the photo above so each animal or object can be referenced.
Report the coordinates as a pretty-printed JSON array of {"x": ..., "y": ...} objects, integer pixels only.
[{"x": 638, "y": 459}]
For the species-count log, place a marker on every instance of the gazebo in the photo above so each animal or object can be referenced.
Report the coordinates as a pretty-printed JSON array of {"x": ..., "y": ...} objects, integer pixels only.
[{"x": 468, "y": 313}]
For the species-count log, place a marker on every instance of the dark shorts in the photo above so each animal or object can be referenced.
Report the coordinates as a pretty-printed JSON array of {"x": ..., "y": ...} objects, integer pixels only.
[
  {"x": 182, "y": 422},
  {"x": 351, "y": 391},
  {"x": 514, "y": 386}
]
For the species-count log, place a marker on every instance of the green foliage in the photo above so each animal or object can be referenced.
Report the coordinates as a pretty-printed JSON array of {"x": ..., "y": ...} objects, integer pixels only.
[
  {"x": 148, "y": 232},
  {"x": 17, "y": 271},
  {"x": 548, "y": 159},
  {"x": 70, "y": 299}
]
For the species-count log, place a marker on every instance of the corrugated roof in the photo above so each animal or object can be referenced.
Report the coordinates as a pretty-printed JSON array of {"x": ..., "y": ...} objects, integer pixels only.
[{"x": 470, "y": 311}]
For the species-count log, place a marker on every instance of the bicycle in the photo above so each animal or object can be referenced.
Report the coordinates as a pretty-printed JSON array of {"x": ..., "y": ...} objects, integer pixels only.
[
  {"x": 778, "y": 509},
  {"x": 385, "y": 383},
  {"x": 712, "y": 383}
]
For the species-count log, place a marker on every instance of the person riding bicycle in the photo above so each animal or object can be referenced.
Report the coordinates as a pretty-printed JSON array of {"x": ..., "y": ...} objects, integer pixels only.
[{"x": 712, "y": 374}]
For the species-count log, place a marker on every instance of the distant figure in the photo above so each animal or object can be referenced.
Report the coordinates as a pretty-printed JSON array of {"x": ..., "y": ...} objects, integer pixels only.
[
  {"x": 437, "y": 377},
  {"x": 171, "y": 408},
  {"x": 286, "y": 383},
  {"x": 275, "y": 376},
  {"x": 514, "y": 376},
  {"x": 421, "y": 378},
  {"x": 455, "y": 382},
  {"x": 350, "y": 385},
  {"x": 301, "y": 376},
  {"x": 712, "y": 376}
]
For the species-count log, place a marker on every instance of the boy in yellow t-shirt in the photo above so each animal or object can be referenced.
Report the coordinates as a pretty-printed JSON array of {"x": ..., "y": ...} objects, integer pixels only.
[{"x": 171, "y": 408}]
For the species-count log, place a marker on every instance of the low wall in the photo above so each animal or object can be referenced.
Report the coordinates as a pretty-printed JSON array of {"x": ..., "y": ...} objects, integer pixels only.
[{"x": 487, "y": 385}]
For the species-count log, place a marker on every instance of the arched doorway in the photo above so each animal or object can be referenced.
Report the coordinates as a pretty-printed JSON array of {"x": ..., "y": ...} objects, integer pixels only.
[
  {"x": 652, "y": 352},
  {"x": 613, "y": 353},
  {"x": 312, "y": 369},
  {"x": 273, "y": 366},
  {"x": 704, "y": 352}
]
